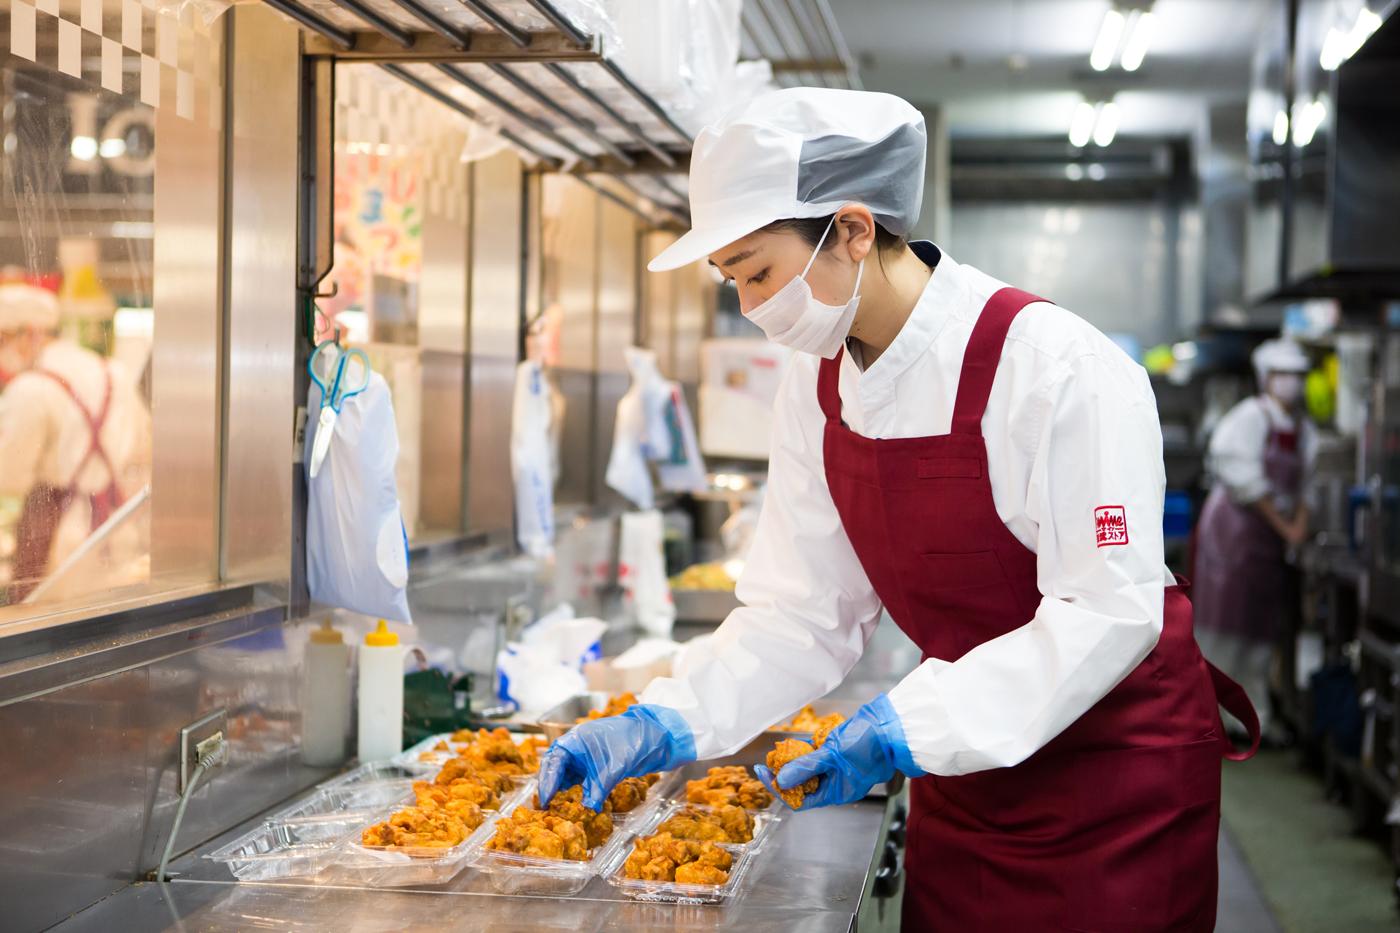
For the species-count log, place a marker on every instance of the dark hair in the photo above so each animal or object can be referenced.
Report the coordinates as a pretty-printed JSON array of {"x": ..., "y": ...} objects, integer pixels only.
[{"x": 810, "y": 230}]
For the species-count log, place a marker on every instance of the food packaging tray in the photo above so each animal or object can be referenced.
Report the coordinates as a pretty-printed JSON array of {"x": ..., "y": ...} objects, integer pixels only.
[
  {"x": 374, "y": 772},
  {"x": 386, "y": 867},
  {"x": 421, "y": 758},
  {"x": 512, "y": 873},
  {"x": 763, "y": 822},
  {"x": 675, "y": 793},
  {"x": 671, "y": 892},
  {"x": 278, "y": 850}
]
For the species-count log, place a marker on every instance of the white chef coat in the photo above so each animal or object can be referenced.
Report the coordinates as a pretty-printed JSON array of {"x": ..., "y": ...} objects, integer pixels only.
[
  {"x": 1237, "y": 447},
  {"x": 44, "y": 439},
  {"x": 1071, "y": 425}
]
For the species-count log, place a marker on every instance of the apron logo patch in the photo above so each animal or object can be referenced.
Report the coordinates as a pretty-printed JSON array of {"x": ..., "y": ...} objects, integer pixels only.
[{"x": 1110, "y": 525}]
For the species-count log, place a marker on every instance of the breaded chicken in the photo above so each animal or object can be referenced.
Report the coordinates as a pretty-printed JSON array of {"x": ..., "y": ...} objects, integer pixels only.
[{"x": 785, "y": 751}]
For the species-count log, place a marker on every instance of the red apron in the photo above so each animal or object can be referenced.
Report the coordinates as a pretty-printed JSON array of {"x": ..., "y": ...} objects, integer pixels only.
[
  {"x": 45, "y": 505},
  {"x": 1241, "y": 578},
  {"x": 1112, "y": 826}
]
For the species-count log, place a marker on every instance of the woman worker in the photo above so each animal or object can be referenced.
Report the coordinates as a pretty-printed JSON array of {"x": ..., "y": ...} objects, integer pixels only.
[
  {"x": 987, "y": 468},
  {"x": 1252, "y": 516}
]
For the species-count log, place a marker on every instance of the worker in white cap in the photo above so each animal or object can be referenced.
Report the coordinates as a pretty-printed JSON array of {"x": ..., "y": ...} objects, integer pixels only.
[
  {"x": 1255, "y": 512},
  {"x": 986, "y": 468},
  {"x": 75, "y": 443}
]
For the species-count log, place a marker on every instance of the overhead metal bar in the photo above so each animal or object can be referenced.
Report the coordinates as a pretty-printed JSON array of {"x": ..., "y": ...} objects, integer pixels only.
[
  {"x": 554, "y": 107},
  {"x": 838, "y": 42},
  {"x": 559, "y": 21},
  {"x": 807, "y": 64},
  {"x": 781, "y": 38},
  {"x": 340, "y": 40},
  {"x": 433, "y": 47},
  {"x": 447, "y": 100},
  {"x": 386, "y": 27},
  {"x": 460, "y": 38},
  {"x": 645, "y": 99},
  {"x": 510, "y": 110},
  {"x": 592, "y": 97},
  {"x": 498, "y": 22}
]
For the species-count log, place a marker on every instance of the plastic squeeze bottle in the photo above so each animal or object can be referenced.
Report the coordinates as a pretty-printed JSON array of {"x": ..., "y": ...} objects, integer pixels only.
[
  {"x": 381, "y": 695},
  {"x": 325, "y": 711}
]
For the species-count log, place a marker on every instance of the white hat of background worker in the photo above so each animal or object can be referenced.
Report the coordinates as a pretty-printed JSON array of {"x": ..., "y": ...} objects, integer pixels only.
[
  {"x": 799, "y": 153},
  {"x": 24, "y": 306},
  {"x": 1278, "y": 356}
]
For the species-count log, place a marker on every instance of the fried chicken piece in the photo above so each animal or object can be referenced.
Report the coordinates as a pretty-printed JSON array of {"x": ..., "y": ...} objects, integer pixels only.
[
  {"x": 442, "y": 746},
  {"x": 629, "y": 794},
  {"x": 424, "y": 828},
  {"x": 544, "y": 835},
  {"x": 452, "y": 796},
  {"x": 568, "y": 804},
  {"x": 824, "y": 730},
  {"x": 455, "y": 769},
  {"x": 615, "y": 706},
  {"x": 752, "y": 795},
  {"x": 807, "y": 720},
  {"x": 728, "y": 786},
  {"x": 785, "y": 751},
  {"x": 696, "y": 830},
  {"x": 663, "y": 857},
  {"x": 696, "y": 873},
  {"x": 726, "y": 824}
]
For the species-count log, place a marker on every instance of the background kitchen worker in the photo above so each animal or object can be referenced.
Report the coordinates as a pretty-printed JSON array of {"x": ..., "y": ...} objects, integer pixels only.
[
  {"x": 75, "y": 442},
  {"x": 987, "y": 468},
  {"x": 1254, "y": 513}
]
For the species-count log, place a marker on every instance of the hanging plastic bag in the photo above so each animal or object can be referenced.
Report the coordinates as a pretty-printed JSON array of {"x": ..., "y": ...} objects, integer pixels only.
[
  {"x": 641, "y": 571},
  {"x": 531, "y": 460},
  {"x": 683, "y": 470},
  {"x": 356, "y": 546},
  {"x": 640, "y": 418}
]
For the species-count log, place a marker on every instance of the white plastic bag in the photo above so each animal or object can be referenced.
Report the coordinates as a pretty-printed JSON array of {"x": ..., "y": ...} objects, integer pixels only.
[
  {"x": 356, "y": 546},
  {"x": 640, "y": 415},
  {"x": 641, "y": 571},
  {"x": 683, "y": 469},
  {"x": 530, "y": 460}
]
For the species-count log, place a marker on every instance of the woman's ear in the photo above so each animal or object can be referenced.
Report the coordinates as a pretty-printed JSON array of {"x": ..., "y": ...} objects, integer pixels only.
[{"x": 857, "y": 226}]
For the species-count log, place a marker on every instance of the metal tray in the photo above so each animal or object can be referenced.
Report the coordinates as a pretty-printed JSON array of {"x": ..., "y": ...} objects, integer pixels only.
[{"x": 557, "y": 720}]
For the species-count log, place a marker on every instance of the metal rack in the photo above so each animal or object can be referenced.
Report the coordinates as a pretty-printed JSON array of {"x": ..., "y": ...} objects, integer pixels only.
[
  {"x": 522, "y": 67},
  {"x": 801, "y": 41}
]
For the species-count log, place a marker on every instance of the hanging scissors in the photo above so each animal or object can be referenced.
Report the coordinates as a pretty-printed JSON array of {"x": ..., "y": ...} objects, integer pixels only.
[{"x": 340, "y": 373}]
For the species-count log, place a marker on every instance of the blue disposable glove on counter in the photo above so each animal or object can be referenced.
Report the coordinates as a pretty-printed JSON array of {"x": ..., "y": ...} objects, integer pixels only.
[
  {"x": 863, "y": 751},
  {"x": 601, "y": 752}
]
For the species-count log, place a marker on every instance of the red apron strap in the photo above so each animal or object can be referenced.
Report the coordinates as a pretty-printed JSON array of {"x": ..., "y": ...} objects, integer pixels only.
[
  {"x": 983, "y": 353},
  {"x": 107, "y": 500},
  {"x": 1232, "y": 696},
  {"x": 829, "y": 386}
]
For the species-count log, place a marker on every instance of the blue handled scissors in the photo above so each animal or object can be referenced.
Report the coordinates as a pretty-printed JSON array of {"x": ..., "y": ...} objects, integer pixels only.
[{"x": 340, "y": 373}]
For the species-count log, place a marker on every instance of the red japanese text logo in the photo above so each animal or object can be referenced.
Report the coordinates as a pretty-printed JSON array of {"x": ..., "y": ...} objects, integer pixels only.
[{"x": 1110, "y": 525}]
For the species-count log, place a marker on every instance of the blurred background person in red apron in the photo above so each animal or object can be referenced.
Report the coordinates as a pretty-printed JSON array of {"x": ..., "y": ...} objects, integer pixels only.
[
  {"x": 75, "y": 443},
  {"x": 986, "y": 468},
  {"x": 1254, "y": 514}
]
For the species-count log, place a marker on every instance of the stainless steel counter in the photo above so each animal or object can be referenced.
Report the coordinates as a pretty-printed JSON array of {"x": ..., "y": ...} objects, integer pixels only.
[{"x": 814, "y": 873}]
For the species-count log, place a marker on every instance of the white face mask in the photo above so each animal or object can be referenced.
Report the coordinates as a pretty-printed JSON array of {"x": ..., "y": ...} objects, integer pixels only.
[
  {"x": 1286, "y": 387},
  {"x": 794, "y": 318}
]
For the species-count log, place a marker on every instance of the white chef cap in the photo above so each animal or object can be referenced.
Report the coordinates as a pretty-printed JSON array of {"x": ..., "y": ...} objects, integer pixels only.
[
  {"x": 1278, "y": 356},
  {"x": 24, "y": 305},
  {"x": 797, "y": 153}
]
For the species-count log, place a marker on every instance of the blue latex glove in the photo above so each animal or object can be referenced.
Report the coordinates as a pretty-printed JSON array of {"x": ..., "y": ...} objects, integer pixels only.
[
  {"x": 863, "y": 751},
  {"x": 600, "y": 752}
]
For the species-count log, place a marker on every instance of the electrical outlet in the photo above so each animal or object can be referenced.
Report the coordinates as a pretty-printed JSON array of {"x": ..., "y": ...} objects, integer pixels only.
[{"x": 200, "y": 737}]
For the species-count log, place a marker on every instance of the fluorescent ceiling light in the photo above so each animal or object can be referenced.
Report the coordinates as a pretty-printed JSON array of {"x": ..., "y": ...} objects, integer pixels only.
[
  {"x": 1365, "y": 26},
  {"x": 1106, "y": 45},
  {"x": 1307, "y": 120},
  {"x": 1096, "y": 172},
  {"x": 83, "y": 148},
  {"x": 1106, "y": 126},
  {"x": 1334, "y": 49},
  {"x": 1139, "y": 38},
  {"x": 1280, "y": 128},
  {"x": 1081, "y": 127}
]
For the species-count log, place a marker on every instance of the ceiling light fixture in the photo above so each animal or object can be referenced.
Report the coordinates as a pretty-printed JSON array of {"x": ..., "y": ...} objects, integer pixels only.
[
  {"x": 1106, "y": 126},
  {"x": 1280, "y": 127},
  {"x": 1139, "y": 38},
  {"x": 1110, "y": 34},
  {"x": 1081, "y": 126}
]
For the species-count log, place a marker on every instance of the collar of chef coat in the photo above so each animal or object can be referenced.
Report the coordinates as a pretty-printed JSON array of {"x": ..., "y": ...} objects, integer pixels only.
[{"x": 945, "y": 295}]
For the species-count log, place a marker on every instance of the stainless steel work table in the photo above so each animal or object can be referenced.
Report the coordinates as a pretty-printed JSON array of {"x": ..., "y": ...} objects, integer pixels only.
[{"x": 812, "y": 876}]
